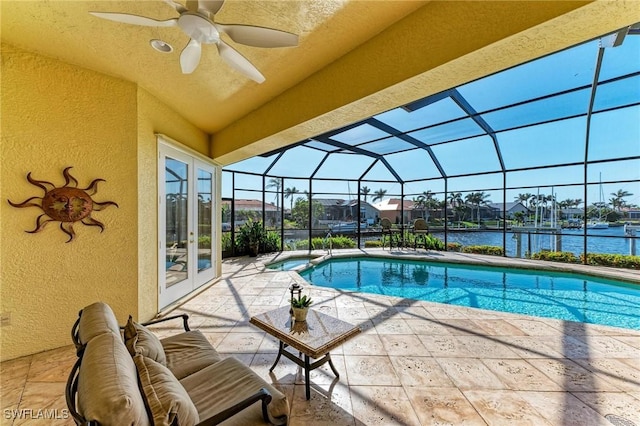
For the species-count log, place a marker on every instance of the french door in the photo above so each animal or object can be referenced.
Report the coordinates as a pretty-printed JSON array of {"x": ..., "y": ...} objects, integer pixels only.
[{"x": 185, "y": 218}]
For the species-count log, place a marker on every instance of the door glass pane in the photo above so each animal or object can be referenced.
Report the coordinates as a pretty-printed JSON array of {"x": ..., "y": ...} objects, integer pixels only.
[
  {"x": 176, "y": 188},
  {"x": 205, "y": 192}
]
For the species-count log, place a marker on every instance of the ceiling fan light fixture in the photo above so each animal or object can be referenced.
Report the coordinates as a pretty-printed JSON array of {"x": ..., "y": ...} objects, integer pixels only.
[{"x": 161, "y": 46}]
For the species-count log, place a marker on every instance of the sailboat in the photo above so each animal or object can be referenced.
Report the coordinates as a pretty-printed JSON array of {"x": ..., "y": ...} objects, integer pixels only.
[{"x": 598, "y": 224}]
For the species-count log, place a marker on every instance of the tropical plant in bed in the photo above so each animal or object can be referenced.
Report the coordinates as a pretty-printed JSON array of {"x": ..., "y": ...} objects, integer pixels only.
[{"x": 251, "y": 235}]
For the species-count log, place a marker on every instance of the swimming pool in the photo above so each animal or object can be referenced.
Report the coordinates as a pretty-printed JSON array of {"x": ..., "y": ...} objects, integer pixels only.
[{"x": 563, "y": 296}]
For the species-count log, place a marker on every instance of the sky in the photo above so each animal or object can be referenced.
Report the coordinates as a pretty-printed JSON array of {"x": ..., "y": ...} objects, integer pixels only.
[{"x": 527, "y": 135}]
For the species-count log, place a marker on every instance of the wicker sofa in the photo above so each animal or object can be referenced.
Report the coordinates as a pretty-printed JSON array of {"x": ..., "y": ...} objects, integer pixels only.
[{"x": 127, "y": 376}]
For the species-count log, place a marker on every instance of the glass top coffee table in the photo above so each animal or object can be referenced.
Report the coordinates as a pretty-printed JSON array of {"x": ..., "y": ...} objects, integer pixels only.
[{"x": 314, "y": 338}]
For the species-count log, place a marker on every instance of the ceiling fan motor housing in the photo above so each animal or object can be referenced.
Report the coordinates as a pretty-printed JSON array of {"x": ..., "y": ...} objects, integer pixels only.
[{"x": 198, "y": 27}]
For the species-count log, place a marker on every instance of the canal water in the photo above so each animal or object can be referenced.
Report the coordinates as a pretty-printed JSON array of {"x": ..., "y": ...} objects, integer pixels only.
[{"x": 598, "y": 241}]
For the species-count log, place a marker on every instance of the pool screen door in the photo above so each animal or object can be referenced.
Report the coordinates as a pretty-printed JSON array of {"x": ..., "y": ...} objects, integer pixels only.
[{"x": 185, "y": 214}]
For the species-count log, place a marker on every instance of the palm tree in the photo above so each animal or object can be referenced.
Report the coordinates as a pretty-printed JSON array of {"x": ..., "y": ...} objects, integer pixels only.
[
  {"x": 617, "y": 202},
  {"x": 456, "y": 201},
  {"x": 418, "y": 204},
  {"x": 477, "y": 199},
  {"x": 379, "y": 194},
  {"x": 277, "y": 184},
  {"x": 524, "y": 199},
  {"x": 365, "y": 190},
  {"x": 289, "y": 193}
]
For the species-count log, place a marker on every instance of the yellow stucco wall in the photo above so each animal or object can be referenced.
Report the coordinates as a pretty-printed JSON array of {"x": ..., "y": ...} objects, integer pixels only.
[
  {"x": 56, "y": 115},
  {"x": 155, "y": 117}
]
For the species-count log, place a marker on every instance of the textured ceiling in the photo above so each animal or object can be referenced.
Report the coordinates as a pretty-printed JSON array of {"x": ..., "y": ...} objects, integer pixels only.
[
  {"x": 214, "y": 95},
  {"x": 355, "y": 58}
]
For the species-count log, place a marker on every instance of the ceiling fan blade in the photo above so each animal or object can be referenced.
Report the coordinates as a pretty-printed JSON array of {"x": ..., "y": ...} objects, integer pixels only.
[
  {"x": 135, "y": 19},
  {"x": 238, "y": 62},
  {"x": 258, "y": 36},
  {"x": 192, "y": 5},
  {"x": 126, "y": 18},
  {"x": 177, "y": 6},
  {"x": 190, "y": 56},
  {"x": 211, "y": 6}
]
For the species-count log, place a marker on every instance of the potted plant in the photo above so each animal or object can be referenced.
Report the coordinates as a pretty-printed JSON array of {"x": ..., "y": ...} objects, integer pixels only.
[{"x": 300, "y": 307}]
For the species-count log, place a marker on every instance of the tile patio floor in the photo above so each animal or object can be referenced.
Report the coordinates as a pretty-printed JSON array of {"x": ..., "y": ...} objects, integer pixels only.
[{"x": 416, "y": 363}]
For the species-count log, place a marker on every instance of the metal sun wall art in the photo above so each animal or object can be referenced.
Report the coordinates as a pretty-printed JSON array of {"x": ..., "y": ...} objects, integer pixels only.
[{"x": 66, "y": 204}]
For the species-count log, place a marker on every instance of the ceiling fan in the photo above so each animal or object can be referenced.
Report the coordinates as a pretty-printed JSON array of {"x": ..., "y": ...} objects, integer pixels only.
[{"x": 196, "y": 20}]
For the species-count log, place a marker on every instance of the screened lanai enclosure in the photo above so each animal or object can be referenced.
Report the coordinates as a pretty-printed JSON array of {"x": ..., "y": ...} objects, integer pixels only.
[{"x": 544, "y": 156}]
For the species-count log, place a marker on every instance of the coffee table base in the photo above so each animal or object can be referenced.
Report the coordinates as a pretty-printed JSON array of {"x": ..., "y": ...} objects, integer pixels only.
[{"x": 306, "y": 364}]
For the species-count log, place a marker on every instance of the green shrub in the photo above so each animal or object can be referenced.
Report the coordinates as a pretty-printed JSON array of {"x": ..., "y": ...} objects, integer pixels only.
[
  {"x": 271, "y": 242},
  {"x": 341, "y": 242},
  {"x": 226, "y": 241},
  {"x": 318, "y": 243},
  {"x": 556, "y": 256},
  {"x": 373, "y": 243},
  {"x": 492, "y": 250},
  {"x": 433, "y": 243},
  {"x": 614, "y": 260},
  {"x": 454, "y": 247}
]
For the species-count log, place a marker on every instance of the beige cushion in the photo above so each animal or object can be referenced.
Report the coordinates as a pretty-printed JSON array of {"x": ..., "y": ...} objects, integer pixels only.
[
  {"x": 139, "y": 340},
  {"x": 168, "y": 402},
  {"x": 226, "y": 383},
  {"x": 108, "y": 384},
  {"x": 188, "y": 352},
  {"x": 96, "y": 319}
]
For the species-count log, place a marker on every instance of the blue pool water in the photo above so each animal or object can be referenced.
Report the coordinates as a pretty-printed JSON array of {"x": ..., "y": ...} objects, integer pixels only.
[{"x": 563, "y": 296}]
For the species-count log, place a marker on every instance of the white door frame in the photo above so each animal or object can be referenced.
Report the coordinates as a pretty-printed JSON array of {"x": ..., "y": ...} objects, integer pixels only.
[{"x": 167, "y": 292}]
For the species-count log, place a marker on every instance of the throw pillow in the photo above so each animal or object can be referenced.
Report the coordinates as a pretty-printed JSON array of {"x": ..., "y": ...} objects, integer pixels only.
[
  {"x": 139, "y": 340},
  {"x": 167, "y": 400}
]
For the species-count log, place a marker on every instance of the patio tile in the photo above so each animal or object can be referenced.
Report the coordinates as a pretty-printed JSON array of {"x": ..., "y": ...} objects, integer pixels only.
[
  {"x": 570, "y": 376},
  {"x": 241, "y": 343},
  {"x": 469, "y": 373},
  {"x": 403, "y": 344},
  {"x": 486, "y": 347},
  {"x": 392, "y": 326},
  {"x": 52, "y": 366},
  {"x": 569, "y": 346},
  {"x": 463, "y": 327},
  {"x": 562, "y": 408},
  {"x": 44, "y": 404},
  {"x": 428, "y": 327},
  {"x": 382, "y": 405},
  {"x": 371, "y": 371},
  {"x": 504, "y": 408},
  {"x": 420, "y": 371},
  {"x": 518, "y": 374},
  {"x": 330, "y": 408},
  {"x": 609, "y": 347},
  {"x": 618, "y": 408},
  {"x": 534, "y": 327},
  {"x": 498, "y": 327},
  {"x": 443, "y": 406},
  {"x": 364, "y": 344},
  {"x": 13, "y": 377},
  {"x": 413, "y": 312},
  {"x": 441, "y": 311},
  {"x": 445, "y": 346},
  {"x": 529, "y": 347},
  {"x": 616, "y": 371}
]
